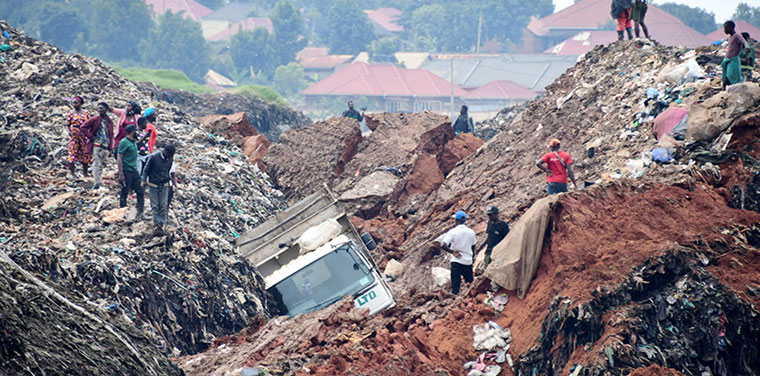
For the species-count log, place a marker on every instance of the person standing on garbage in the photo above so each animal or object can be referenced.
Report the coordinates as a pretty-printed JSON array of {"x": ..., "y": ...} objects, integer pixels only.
[
  {"x": 128, "y": 175},
  {"x": 732, "y": 72},
  {"x": 460, "y": 243},
  {"x": 352, "y": 113},
  {"x": 621, "y": 11},
  {"x": 747, "y": 58},
  {"x": 463, "y": 123},
  {"x": 150, "y": 114},
  {"x": 78, "y": 141},
  {"x": 638, "y": 12},
  {"x": 99, "y": 132},
  {"x": 127, "y": 116},
  {"x": 496, "y": 230},
  {"x": 157, "y": 176},
  {"x": 558, "y": 166},
  {"x": 142, "y": 141}
]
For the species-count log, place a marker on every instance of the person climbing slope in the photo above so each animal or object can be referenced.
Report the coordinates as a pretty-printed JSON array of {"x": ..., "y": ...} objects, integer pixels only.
[{"x": 460, "y": 243}]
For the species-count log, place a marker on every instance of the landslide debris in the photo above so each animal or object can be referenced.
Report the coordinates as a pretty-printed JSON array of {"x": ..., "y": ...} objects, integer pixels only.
[
  {"x": 177, "y": 292},
  {"x": 649, "y": 266},
  {"x": 267, "y": 118}
]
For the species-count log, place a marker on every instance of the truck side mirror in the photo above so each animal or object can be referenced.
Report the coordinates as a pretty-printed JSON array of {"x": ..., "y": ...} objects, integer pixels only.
[{"x": 368, "y": 241}]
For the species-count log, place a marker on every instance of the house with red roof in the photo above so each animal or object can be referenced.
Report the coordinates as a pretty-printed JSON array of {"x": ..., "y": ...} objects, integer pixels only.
[
  {"x": 741, "y": 27},
  {"x": 384, "y": 21},
  {"x": 318, "y": 63},
  {"x": 250, "y": 23},
  {"x": 594, "y": 15},
  {"x": 582, "y": 42},
  {"x": 190, "y": 8},
  {"x": 388, "y": 88},
  {"x": 496, "y": 95}
]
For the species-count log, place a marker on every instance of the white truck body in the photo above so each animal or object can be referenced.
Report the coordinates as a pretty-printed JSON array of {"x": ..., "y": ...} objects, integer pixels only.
[{"x": 304, "y": 280}]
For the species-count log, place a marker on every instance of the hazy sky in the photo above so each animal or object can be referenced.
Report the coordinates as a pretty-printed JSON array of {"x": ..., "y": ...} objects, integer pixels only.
[{"x": 723, "y": 9}]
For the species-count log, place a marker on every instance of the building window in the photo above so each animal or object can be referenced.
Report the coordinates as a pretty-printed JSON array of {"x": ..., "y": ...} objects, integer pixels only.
[
  {"x": 422, "y": 106},
  {"x": 393, "y": 106}
]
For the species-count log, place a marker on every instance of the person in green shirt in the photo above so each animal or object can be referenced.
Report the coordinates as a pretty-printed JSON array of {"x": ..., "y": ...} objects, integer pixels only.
[
  {"x": 129, "y": 177},
  {"x": 638, "y": 12}
]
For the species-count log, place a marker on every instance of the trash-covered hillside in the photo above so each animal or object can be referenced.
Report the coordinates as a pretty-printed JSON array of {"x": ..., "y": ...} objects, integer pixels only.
[
  {"x": 178, "y": 292},
  {"x": 651, "y": 268}
]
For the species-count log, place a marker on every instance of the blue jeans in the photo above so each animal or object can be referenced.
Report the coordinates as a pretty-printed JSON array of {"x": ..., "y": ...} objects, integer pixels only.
[{"x": 552, "y": 188}]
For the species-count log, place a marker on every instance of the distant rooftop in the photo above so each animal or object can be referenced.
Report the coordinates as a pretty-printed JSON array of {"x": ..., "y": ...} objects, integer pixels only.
[
  {"x": 741, "y": 26},
  {"x": 583, "y": 42},
  {"x": 386, "y": 18},
  {"x": 319, "y": 58},
  {"x": 233, "y": 12},
  {"x": 383, "y": 80},
  {"x": 249, "y": 23},
  {"x": 594, "y": 14},
  {"x": 501, "y": 89},
  {"x": 191, "y": 8}
]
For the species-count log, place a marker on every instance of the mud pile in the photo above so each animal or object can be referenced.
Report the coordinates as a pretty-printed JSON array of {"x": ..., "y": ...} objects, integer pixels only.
[
  {"x": 648, "y": 266},
  {"x": 489, "y": 128},
  {"x": 269, "y": 119},
  {"x": 403, "y": 158},
  {"x": 179, "y": 291},
  {"x": 238, "y": 129}
]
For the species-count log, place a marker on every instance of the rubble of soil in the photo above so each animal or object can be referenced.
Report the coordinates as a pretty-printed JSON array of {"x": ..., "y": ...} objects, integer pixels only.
[
  {"x": 489, "y": 128},
  {"x": 653, "y": 265},
  {"x": 268, "y": 119},
  {"x": 176, "y": 293}
]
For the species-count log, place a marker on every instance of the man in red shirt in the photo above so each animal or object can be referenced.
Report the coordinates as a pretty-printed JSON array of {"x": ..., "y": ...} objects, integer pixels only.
[{"x": 558, "y": 166}]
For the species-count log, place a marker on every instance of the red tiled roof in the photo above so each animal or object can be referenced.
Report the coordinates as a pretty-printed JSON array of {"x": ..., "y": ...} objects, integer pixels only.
[
  {"x": 319, "y": 58},
  {"x": 249, "y": 23},
  {"x": 193, "y": 9},
  {"x": 503, "y": 89},
  {"x": 386, "y": 17},
  {"x": 741, "y": 26},
  {"x": 593, "y": 14},
  {"x": 383, "y": 79},
  {"x": 582, "y": 42}
]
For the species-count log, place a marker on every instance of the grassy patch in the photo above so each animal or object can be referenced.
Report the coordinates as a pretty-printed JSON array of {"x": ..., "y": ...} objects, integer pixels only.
[
  {"x": 264, "y": 92},
  {"x": 165, "y": 78}
]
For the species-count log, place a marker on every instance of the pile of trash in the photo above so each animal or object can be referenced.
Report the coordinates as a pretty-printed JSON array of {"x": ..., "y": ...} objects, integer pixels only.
[
  {"x": 47, "y": 332},
  {"x": 269, "y": 119},
  {"x": 181, "y": 290},
  {"x": 489, "y": 128}
]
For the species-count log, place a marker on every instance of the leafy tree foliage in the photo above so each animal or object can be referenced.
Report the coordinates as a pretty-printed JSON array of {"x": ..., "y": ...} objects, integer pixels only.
[
  {"x": 177, "y": 43},
  {"x": 289, "y": 79},
  {"x": 749, "y": 14},
  {"x": 696, "y": 18},
  {"x": 428, "y": 27},
  {"x": 382, "y": 50},
  {"x": 350, "y": 29},
  {"x": 288, "y": 31},
  {"x": 116, "y": 28},
  {"x": 253, "y": 51}
]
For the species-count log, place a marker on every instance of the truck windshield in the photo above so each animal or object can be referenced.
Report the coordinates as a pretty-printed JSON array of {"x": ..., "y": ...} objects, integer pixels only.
[{"x": 323, "y": 282}]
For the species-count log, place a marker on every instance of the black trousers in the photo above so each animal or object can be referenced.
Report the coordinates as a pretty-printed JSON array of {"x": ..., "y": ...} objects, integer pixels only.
[
  {"x": 132, "y": 183},
  {"x": 457, "y": 271}
]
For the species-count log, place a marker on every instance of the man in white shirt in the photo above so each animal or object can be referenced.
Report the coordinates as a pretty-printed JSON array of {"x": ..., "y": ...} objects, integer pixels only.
[{"x": 460, "y": 243}]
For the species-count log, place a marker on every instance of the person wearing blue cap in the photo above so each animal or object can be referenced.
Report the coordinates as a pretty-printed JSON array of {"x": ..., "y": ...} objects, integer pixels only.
[{"x": 460, "y": 243}]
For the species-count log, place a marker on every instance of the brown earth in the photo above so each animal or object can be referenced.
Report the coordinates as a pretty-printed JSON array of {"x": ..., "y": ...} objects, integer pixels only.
[
  {"x": 655, "y": 370},
  {"x": 239, "y": 130}
]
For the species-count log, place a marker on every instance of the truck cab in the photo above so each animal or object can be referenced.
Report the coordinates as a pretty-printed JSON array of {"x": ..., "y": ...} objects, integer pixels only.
[{"x": 311, "y": 256}]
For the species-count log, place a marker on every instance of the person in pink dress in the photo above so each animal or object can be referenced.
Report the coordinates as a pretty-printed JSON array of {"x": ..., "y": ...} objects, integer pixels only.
[{"x": 77, "y": 140}]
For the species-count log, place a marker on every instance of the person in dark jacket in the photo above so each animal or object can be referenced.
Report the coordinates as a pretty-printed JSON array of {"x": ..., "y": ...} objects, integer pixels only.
[
  {"x": 621, "y": 11},
  {"x": 638, "y": 12},
  {"x": 156, "y": 175},
  {"x": 496, "y": 230},
  {"x": 352, "y": 113},
  {"x": 99, "y": 132},
  {"x": 463, "y": 123}
]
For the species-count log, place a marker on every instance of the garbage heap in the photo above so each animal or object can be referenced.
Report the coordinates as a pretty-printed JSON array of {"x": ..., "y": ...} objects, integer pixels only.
[
  {"x": 46, "y": 332},
  {"x": 180, "y": 291},
  {"x": 489, "y": 128},
  {"x": 268, "y": 119},
  {"x": 653, "y": 263}
]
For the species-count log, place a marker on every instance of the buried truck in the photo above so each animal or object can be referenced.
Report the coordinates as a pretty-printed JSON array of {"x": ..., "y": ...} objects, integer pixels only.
[{"x": 311, "y": 256}]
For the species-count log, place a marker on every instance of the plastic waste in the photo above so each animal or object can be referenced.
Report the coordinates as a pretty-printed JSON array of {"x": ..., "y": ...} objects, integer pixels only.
[
  {"x": 441, "y": 276},
  {"x": 662, "y": 155},
  {"x": 318, "y": 235}
]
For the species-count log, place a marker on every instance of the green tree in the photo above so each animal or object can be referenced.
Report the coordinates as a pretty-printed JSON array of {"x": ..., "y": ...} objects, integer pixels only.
[
  {"x": 117, "y": 28},
  {"x": 428, "y": 27},
  {"x": 177, "y": 43},
  {"x": 288, "y": 31},
  {"x": 383, "y": 50},
  {"x": 696, "y": 18},
  {"x": 61, "y": 25},
  {"x": 289, "y": 79},
  {"x": 350, "y": 29},
  {"x": 253, "y": 51},
  {"x": 748, "y": 14}
]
